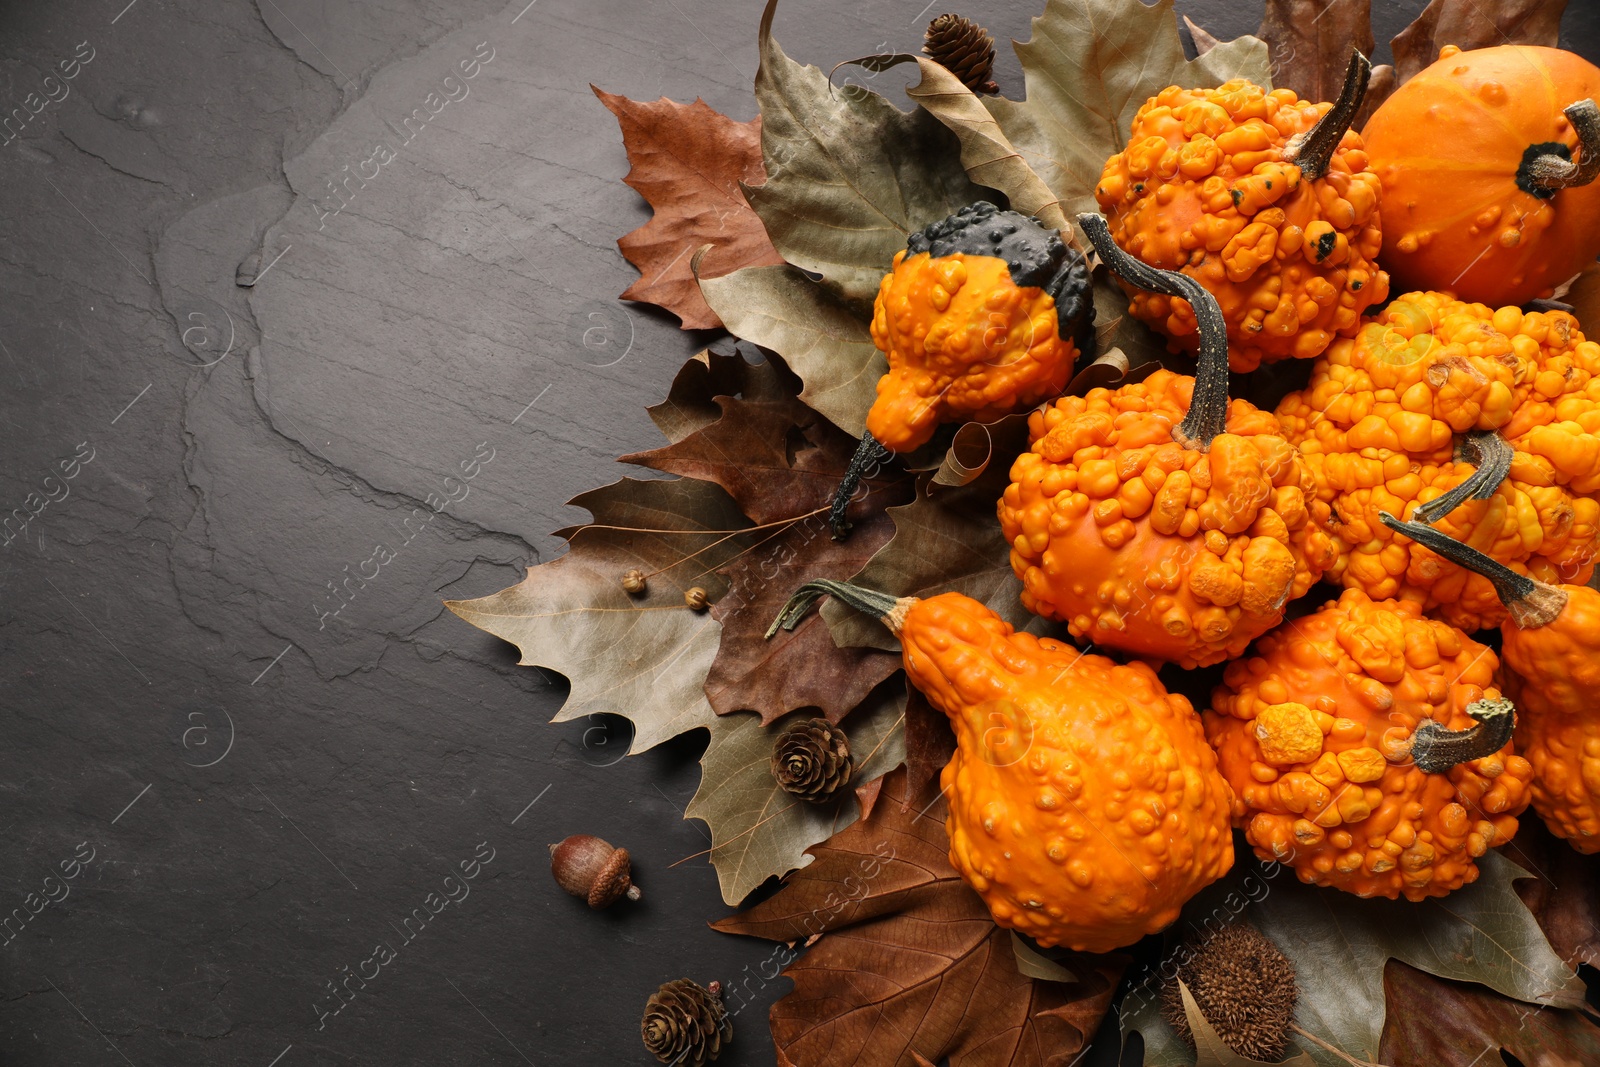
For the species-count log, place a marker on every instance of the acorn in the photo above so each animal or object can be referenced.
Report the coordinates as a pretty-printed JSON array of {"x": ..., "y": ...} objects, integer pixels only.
[
  {"x": 588, "y": 867},
  {"x": 1243, "y": 986},
  {"x": 685, "y": 1024},
  {"x": 696, "y": 599},
  {"x": 635, "y": 582}
]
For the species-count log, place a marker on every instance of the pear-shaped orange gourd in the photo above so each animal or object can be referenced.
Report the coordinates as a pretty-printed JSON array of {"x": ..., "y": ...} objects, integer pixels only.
[
  {"x": 1085, "y": 804},
  {"x": 1488, "y": 190}
]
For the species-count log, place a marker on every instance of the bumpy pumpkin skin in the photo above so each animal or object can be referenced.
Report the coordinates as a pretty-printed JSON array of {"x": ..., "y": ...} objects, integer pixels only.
[
  {"x": 964, "y": 342},
  {"x": 1313, "y": 733},
  {"x": 1085, "y": 804},
  {"x": 1377, "y": 428},
  {"x": 1202, "y": 188},
  {"x": 1140, "y": 544},
  {"x": 1446, "y": 147},
  {"x": 1554, "y": 678}
]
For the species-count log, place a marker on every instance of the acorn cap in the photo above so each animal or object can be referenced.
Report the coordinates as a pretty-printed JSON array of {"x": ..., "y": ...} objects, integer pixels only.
[{"x": 1243, "y": 986}]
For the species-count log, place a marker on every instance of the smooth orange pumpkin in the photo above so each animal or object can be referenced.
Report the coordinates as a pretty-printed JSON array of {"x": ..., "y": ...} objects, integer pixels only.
[{"x": 1481, "y": 197}]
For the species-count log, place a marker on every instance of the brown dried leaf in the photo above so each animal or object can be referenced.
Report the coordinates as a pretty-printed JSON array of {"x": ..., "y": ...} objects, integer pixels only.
[
  {"x": 1474, "y": 24},
  {"x": 780, "y": 461},
  {"x": 912, "y": 968},
  {"x": 1203, "y": 41},
  {"x": 1561, "y": 894},
  {"x": 688, "y": 162},
  {"x": 1309, "y": 43},
  {"x": 1430, "y": 1021},
  {"x": 929, "y": 745}
]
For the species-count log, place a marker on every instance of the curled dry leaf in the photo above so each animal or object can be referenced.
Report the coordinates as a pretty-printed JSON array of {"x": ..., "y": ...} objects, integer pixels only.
[
  {"x": 909, "y": 967},
  {"x": 1474, "y": 24},
  {"x": 688, "y": 161},
  {"x": 779, "y": 461},
  {"x": 1430, "y": 1021},
  {"x": 1339, "y": 942},
  {"x": 757, "y": 829},
  {"x": 849, "y": 175}
]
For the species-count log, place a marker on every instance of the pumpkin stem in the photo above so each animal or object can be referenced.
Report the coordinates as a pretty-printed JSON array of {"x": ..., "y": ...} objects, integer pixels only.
[
  {"x": 868, "y": 454},
  {"x": 1532, "y": 603},
  {"x": 1208, "y": 407},
  {"x": 888, "y": 608},
  {"x": 1435, "y": 749},
  {"x": 1548, "y": 171},
  {"x": 1313, "y": 150},
  {"x": 1492, "y": 455}
]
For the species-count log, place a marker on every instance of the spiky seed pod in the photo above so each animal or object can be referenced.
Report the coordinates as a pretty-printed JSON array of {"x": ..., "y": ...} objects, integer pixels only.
[
  {"x": 811, "y": 759},
  {"x": 1243, "y": 986},
  {"x": 685, "y": 1024},
  {"x": 965, "y": 49},
  {"x": 588, "y": 867}
]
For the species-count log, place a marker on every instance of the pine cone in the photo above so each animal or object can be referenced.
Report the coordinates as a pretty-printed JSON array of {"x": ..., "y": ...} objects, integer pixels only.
[
  {"x": 1244, "y": 987},
  {"x": 965, "y": 49},
  {"x": 812, "y": 759},
  {"x": 685, "y": 1024}
]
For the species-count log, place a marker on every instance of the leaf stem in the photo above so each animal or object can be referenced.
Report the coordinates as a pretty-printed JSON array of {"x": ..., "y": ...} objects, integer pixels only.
[{"x": 1341, "y": 1053}]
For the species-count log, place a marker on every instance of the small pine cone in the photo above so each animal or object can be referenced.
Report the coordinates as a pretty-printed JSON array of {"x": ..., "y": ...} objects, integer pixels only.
[
  {"x": 1242, "y": 984},
  {"x": 686, "y": 1025},
  {"x": 965, "y": 49},
  {"x": 812, "y": 760}
]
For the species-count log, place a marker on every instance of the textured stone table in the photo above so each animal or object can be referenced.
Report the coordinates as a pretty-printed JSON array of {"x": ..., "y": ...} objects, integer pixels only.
[{"x": 252, "y": 777}]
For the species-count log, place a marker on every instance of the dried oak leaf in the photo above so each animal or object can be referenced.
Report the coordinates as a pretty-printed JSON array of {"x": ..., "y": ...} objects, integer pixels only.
[
  {"x": 1474, "y": 24},
  {"x": 1309, "y": 42},
  {"x": 910, "y": 967},
  {"x": 1561, "y": 892},
  {"x": 780, "y": 461},
  {"x": 688, "y": 161},
  {"x": 1431, "y": 1022},
  {"x": 930, "y": 742},
  {"x": 849, "y": 175},
  {"x": 1339, "y": 943},
  {"x": 757, "y": 829}
]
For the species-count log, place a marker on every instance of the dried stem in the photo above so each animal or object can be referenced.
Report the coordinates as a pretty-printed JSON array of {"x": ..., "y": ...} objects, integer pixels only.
[
  {"x": 1548, "y": 172},
  {"x": 868, "y": 454},
  {"x": 1341, "y": 1053},
  {"x": 1492, "y": 455},
  {"x": 1532, "y": 603},
  {"x": 884, "y": 606},
  {"x": 1435, "y": 748},
  {"x": 1313, "y": 150},
  {"x": 1208, "y": 408}
]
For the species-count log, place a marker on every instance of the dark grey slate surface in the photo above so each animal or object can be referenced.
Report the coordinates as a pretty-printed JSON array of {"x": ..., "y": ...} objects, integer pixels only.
[{"x": 268, "y": 789}]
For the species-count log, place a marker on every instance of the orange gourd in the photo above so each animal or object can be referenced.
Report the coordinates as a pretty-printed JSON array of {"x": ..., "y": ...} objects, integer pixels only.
[
  {"x": 1551, "y": 650},
  {"x": 984, "y": 314},
  {"x": 1263, "y": 198},
  {"x": 1085, "y": 804},
  {"x": 1481, "y": 196},
  {"x": 1369, "y": 750},
  {"x": 1486, "y": 421},
  {"x": 1159, "y": 517}
]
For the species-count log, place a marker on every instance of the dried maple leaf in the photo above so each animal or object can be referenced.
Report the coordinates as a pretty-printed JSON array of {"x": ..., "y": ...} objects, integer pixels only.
[
  {"x": 910, "y": 967},
  {"x": 780, "y": 461},
  {"x": 1430, "y": 1022},
  {"x": 930, "y": 742},
  {"x": 688, "y": 162},
  {"x": 1474, "y": 24}
]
